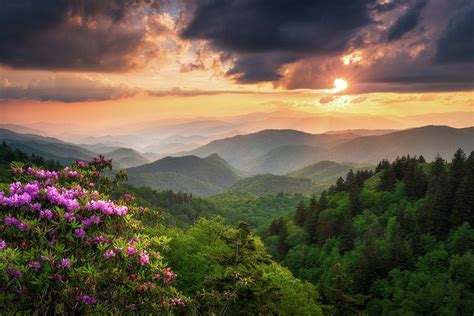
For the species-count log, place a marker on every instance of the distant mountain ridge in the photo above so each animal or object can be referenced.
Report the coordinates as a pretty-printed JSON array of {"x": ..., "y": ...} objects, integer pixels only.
[
  {"x": 282, "y": 151},
  {"x": 201, "y": 176},
  {"x": 47, "y": 147},
  {"x": 241, "y": 151}
]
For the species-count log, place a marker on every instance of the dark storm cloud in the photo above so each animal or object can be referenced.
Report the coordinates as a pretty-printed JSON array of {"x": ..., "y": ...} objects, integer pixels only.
[
  {"x": 382, "y": 7},
  {"x": 70, "y": 34},
  {"x": 407, "y": 22},
  {"x": 273, "y": 33},
  {"x": 457, "y": 43}
]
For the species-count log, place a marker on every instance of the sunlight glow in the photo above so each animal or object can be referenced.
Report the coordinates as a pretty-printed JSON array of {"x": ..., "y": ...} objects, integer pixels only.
[{"x": 339, "y": 85}]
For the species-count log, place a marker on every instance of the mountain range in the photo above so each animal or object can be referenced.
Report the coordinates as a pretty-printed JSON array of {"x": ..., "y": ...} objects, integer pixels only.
[
  {"x": 281, "y": 151},
  {"x": 265, "y": 162}
]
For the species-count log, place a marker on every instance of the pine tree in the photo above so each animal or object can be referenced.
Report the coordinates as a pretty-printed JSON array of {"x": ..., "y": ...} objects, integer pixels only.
[
  {"x": 300, "y": 215},
  {"x": 387, "y": 179},
  {"x": 456, "y": 173},
  {"x": 415, "y": 181},
  {"x": 436, "y": 209},
  {"x": 323, "y": 202},
  {"x": 463, "y": 210},
  {"x": 355, "y": 202}
]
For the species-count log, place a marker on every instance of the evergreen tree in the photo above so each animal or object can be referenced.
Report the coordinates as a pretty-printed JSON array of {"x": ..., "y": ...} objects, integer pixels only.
[
  {"x": 300, "y": 215},
  {"x": 387, "y": 179},
  {"x": 463, "y": 210},
  {"x": 338, "y": 296},
  {"x": 340, "y": 185},
  {"x": 415, "y": 180},
  {"x": 355, "y": 202},
  {"x": 456, "y": 173},
  {"x": 323, "y": 202},
  {"x": 436, "y": 209}
]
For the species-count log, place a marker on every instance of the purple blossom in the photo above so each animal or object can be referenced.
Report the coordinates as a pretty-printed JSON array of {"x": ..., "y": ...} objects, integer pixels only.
[
  {"x": 73, "y": 174},
  {"x": 3, "y": 244},
  {"x": 99, "y": 239},
  {"x": 133, "y": 240},
  {"x": 86, "y": 299},
  {"x": 10, "y": 221},
  {"x": 144, "y": 258},
  {"x": 177, "y": 302},
  {"x": 21, "y": 226},
  {"x": 15, "y": 274},
  {"x": 69, "y": 216},
  {"x": 109, "y": 254},
  {"x": 94, "y": 219},
  {"x": 65, "y": 263},
  {"x": 35, "y": 206},
  {"x": 46, "y": 214},
  {"x": 42, "y": 174},
  {"x": 58, "y": 277},
  {"x": 79, "y": 233},
  {"x": 16, "y": 200},
  {"x": 81, "y": 164},
  {"x": 107, "y": 208},
  {"x": 34, "y": 265},
  {"x": 131, "y": 251}
]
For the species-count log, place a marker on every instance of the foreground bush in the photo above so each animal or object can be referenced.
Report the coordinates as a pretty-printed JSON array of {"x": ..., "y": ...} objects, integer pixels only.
[{"x": 64, "y": 247}]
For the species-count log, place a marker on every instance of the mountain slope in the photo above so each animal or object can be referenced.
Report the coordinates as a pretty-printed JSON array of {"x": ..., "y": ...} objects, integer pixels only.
[
  {"x": 325, "y": 173},
  {"x": 242, "y": 150},
  {"x": 201, "y": 176},
  {"x": 126, "y": 158},
  {"x": 269, "y": 184},
  {"x": 428, "y": 141},
  {"x": 284, "y": 153},
  {"x": 47, "y": 147}
]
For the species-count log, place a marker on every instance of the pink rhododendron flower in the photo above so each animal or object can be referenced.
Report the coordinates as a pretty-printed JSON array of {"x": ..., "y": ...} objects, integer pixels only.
[
  {"x": 65, "y": 263},
  {"x": 79, "y": 233},
  {"x": 3, "y": 244},
  {"x": 86, "y": 299},
  {"x": 144, "y": 258},
  {"x": 46, "y": 214},
  {"x": 34, "y": 265},
  {"x": 131, "y": 251},
  {"x": 109, "y": 254}
]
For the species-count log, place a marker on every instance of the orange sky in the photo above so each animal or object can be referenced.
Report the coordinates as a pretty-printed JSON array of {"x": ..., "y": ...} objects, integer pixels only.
[{"x": 160, "y": 62}]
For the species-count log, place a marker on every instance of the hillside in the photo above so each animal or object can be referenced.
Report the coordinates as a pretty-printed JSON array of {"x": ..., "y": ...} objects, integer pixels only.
[
  {"x": 269, "y": 184},
  {"x": 428, "y": 141},
  {"x": 326, "y": 173},
  {"x": 126, "y": 158},
  {"x": 201, "y": 176},
  {"x": 395, "y": 241},
  {"x": 47, "y": 147}
]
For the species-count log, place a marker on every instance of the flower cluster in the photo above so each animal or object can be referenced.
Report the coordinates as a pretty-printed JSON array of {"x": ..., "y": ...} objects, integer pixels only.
[{"x": 64, "y": 239}]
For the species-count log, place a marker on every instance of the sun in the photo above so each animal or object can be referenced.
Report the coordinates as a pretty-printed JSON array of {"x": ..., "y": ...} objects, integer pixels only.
[{"x": 339, "y": 85}]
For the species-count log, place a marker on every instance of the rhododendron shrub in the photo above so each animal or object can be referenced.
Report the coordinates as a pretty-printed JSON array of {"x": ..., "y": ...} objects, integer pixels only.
[{"x": 65, "y": 246}]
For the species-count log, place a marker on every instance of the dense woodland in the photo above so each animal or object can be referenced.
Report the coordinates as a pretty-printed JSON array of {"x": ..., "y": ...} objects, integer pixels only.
[
  {"x": 399, "y": 240},
  {"x": 396, "y": 240}
]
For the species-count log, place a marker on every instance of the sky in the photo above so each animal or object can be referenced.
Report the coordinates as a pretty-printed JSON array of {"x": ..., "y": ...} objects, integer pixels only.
[{"x": 116, "y": 62}]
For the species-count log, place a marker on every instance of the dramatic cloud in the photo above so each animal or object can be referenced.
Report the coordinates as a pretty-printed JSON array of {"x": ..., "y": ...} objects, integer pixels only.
[
  {"x": 406, "y": 22},
  {"x": 81, "y": 35},
  {"x": 457, "y": 43},
  {"x": 65, "y": 88},
  {"x": 264, "y": 35},
  {"x": 375, "y": 45},
  {"x": 437, "y": 57}
]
